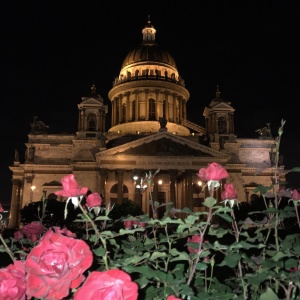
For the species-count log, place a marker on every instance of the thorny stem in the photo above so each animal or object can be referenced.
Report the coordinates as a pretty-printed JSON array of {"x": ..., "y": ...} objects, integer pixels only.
[
  {"x": 193, "y": 270},
  {"x": 97, "y": 234}
]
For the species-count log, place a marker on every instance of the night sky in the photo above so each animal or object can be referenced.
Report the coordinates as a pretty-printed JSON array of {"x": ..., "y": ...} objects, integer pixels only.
[{"x": 53, "y": 51}]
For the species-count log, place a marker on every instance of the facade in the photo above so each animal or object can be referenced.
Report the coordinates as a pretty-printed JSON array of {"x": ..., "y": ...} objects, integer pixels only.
[{"x": 149, "y": 131}]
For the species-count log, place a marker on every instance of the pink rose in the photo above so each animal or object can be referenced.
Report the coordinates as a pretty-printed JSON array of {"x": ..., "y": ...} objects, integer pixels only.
[
  {"x": 55, "y": 265},
  {"x": 214, "y": 171},
  {"x": 71, "y": 187},
  {"x": 18, "y": 235},
  {"x": 139, "y": 223},
  {"x": 93, "y": 199},
  {"x": 229, "y": 192},
  {"x": 1, "y": 208},
  {"x": 109, "y": 285},
  {"x": 33, "y": 230},
  {"x": 194, "y": 239},
  {"x": 295, "y": 194},
  {"x": 128, "y": 224},
  {"x": 172, "y": 297},
  {"x": 12, "y": 282}
]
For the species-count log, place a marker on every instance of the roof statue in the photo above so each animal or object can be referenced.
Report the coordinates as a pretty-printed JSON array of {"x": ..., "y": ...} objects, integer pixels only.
[
  {"x": 38, "y": 127},
  {"x": 265, "y": 132},
  {"x": 163, "y": 123}
]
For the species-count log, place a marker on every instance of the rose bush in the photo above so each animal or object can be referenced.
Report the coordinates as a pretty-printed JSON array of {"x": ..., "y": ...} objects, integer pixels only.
[{"x": 184, "y": 255}]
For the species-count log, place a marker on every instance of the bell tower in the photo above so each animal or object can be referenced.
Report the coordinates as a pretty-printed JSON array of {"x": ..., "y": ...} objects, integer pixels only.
[
  {"x": 219, "y": 119},
  {"x": 92, "y": 116}
]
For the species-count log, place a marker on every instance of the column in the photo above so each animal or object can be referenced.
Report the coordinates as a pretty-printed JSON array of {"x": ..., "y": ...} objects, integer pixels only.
[
  {"x": 138, "y": 194},
  {"x": 154, "y": 197},
  {"x": 173, "y": 176},
  {"x": 120, "y": 109},
  {"x": 180, "y": 110},
  {"x": 189, "y": 189},
  {"x": 147, "y": 104},
  {"x": 157, "y": 108},
  {"x": 84, "y": 120},
  {"x": 127, "y": 117},
  {"x": 14, "y": 204},
  {"x": 136, "y": 105},
  {"x": 167, "y": 105},
  {"x": 103, "y": 176},
  {"x": 184, "y": 108},
  {"x": 114, "y": 112},
  {"x": 120, "y": 174},
  {"x": 174, "y": 108}
]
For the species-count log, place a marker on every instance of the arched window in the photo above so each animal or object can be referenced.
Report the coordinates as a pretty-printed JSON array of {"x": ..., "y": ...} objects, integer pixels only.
[
  {"x": 222, "y": 125},
  {"x": 152, "y": 115},
  {"x": 114, "y": 193},
  {"x": 92, "y": 122}
]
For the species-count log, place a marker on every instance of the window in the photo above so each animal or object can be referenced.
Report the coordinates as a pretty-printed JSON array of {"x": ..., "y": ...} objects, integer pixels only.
[
  {"x": 92, "y": 122},
  {"x": 222, "y": 126},
  {"x": 152, "y": 110}
]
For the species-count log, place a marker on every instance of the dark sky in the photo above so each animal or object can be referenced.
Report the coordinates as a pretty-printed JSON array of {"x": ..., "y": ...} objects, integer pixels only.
[{"x": 52, "y": 52}]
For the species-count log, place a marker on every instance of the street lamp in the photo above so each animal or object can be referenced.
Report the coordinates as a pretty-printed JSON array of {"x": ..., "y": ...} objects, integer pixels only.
[
  {"x": 140, "y": 187},
  {"x": 33, "y": 187}
]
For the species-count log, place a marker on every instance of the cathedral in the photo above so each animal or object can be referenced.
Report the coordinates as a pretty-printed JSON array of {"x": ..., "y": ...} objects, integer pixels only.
[{"x": 149, "y": 132}]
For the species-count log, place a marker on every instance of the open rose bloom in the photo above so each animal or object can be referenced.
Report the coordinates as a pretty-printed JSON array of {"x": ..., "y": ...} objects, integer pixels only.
[
  {"x": 12, "y": 282},
  {"x": 71, "y": 190},
  {"x": 213, "y": 174},
  {"x": 109, "y": 285},
  {"x": 33, "y": 230},
  {"x": 71, "y": 187},
  {"x": 56, "y": 265}
]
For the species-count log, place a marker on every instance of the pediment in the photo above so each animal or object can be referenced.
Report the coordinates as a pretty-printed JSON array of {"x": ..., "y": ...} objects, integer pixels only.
[
  {"x": 163, "y": 144},
  {"x": 222, "y": 105},
  {"x": 91, "y": 101},
  {"x": 84, "y": 155}
]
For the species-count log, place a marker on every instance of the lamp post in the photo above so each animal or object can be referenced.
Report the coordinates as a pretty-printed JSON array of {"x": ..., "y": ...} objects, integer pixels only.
[
  {"x": 140, "y": 187},
  {"x": 33, "y": 187}
]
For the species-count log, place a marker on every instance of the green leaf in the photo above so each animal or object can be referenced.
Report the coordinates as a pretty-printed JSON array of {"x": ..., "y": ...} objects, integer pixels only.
[
  {"x": 155, "y": 255},
  {"x": 187, "y": 210},
  {"x": 182, "y": 256},
  {"x": 268, "y": 295},
  {"x": 225, "y": 216},
  {"x": 262, "y": 189},
  {"x": 231, "y": 260},
  {"x": 201, "y": 266},
  {"x": 136, "y": 259},
  {"x": 99, "y": 251},
  {"x": 209, "y": 202},
  {"x": 191, "y": 219},
  {"x": 102, "y": 218},
  {"x": 296, "y": 169},
  {"x": 291, "y": 263},
  {"x": 279, "y": 255}
]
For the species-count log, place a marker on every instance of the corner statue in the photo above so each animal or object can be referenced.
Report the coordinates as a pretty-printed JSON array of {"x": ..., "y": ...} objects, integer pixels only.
[
  {"x": 38, "y": 127},
  {"x": 163, "y": 123},
  {"x": 265, "y": 133}
]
